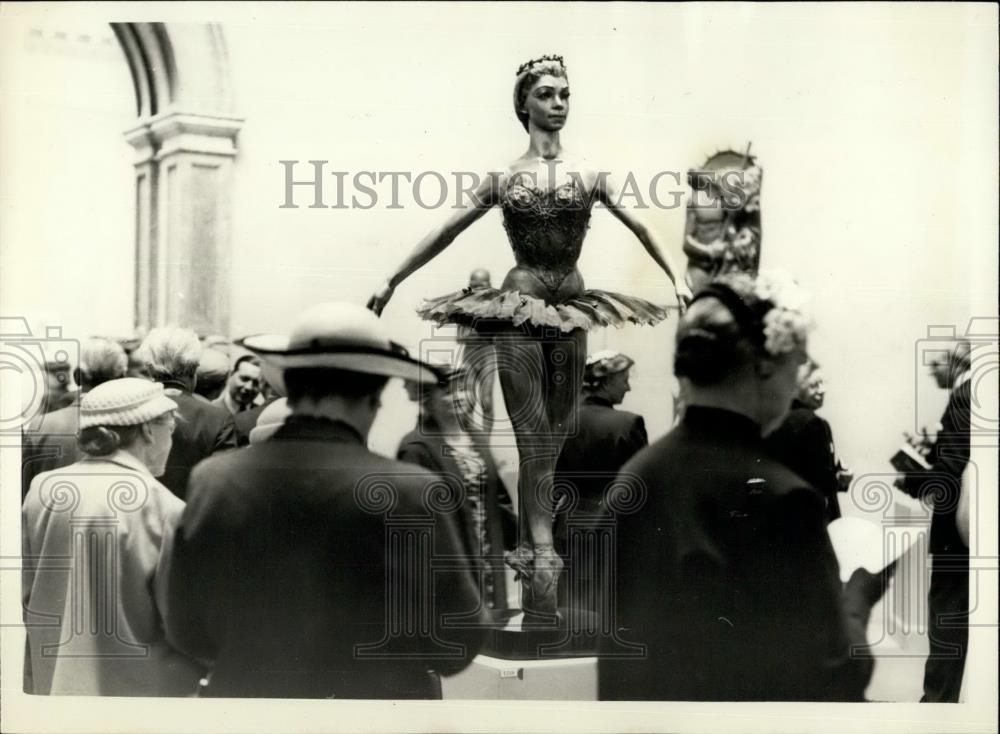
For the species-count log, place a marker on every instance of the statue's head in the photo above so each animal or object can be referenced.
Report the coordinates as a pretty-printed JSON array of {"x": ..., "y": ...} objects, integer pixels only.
[{"x": 541, "y": 93}]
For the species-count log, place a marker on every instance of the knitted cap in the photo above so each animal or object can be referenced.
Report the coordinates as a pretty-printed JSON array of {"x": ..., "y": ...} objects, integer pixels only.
[{"x": 129, "y": 401}]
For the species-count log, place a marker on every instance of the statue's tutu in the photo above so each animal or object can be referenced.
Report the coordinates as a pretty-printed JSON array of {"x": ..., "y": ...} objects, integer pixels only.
[{"x": 589, "y": 310}]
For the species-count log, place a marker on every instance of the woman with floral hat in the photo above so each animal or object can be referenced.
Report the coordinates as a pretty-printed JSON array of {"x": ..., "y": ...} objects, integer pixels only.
[{"x": 725, "y": 571}]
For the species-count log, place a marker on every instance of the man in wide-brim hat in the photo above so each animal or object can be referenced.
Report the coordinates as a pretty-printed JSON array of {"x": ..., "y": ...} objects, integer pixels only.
[{"x": 289, "y": 576}]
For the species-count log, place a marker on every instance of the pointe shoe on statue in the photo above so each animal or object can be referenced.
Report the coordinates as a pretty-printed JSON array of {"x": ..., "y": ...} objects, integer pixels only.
[
  {"x": 520, "y": 560},
  {"x": 539, "y": 590}
]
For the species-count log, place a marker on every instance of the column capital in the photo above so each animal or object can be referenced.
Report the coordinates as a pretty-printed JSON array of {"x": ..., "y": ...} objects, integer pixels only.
[
  {"x": 140, "y": 138},
  {"x": 176, "y": 131}
]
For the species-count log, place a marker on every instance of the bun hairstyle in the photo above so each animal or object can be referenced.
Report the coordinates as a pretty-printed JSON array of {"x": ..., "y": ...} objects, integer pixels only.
[
  {"x": 529, "y": 73},
  {"x": 105, "y": 440},
  {"x": 722, "y": 331}
]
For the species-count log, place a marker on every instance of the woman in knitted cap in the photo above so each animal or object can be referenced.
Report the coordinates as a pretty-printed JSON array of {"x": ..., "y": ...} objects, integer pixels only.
[
  {"x": 96, "y": 627},
  {"x": 539, "y": 317},
  {"x": 605, "y": 439}
]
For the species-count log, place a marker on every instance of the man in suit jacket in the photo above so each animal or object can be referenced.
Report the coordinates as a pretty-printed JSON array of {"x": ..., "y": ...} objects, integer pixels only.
[
  {"x": 53, "y": 444},
  {"x": 590, "y": 460},
  {"x": 948, "y": 597},
  {"x": 307, "y": 566},
  {"x": 245, "y": 421},
  {"x": 242, "y": 390},
  {"x": 171, "y": 356}
]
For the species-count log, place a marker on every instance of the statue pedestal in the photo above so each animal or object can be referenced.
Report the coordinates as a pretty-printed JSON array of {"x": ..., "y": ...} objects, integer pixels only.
[
  {"x": 494, "y": 679},
  {"x": 551, "y": 663},
  {"x": 557, "y": 641}
]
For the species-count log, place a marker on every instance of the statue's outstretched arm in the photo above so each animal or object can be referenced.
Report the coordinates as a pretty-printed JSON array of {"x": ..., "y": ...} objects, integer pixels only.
[
  {"x": 483, "y": 197},
  {"x": 607, "y": 194}
]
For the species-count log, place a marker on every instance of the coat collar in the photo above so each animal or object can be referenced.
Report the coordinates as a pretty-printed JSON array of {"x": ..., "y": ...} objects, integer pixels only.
[
  {"x": 312, "y": 428},
  {"x": 123, "y": 459},
  {"x": 719, "y": 421},
  {"x": 178, "y": 385},
  {"x": 597, "y": 400}
]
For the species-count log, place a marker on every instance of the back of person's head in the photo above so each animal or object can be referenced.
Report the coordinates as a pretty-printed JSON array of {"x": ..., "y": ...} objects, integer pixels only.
[
  {"x": 251, "y": 358},
  {"x": 479, "y": 278},
  {"x": 961, "y": 356},
  {"x": 171, "y": 353},
  {"x": 315, "y": 384},
  {"x": 217, "y": 342},
  {"x": 100, "y": 360},
  {"x": 105, "y": 440},
  {"x": 736, "y": 321},
  {"x": 711, "y": 344},
  {"x": 602, "y": 365},
  {"x": 213, "y": 371}
]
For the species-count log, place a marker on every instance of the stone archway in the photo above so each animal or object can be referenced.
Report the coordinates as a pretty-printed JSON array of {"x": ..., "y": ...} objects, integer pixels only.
[{"x": 185, "y": 143}]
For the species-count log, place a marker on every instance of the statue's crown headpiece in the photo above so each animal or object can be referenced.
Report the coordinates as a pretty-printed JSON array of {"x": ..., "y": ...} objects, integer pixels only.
[{"x": 528, "y": 64}]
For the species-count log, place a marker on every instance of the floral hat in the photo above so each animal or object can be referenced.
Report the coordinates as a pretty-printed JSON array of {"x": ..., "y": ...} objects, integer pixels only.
[{"x": 771, "y": 308}]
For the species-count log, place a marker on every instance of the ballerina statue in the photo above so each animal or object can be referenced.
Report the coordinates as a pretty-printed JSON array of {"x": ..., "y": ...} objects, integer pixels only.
[{"x": 539, "y": 317}]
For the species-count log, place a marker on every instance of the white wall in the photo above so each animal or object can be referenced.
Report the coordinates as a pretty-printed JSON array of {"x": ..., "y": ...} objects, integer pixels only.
[{"x": 67, "y": 222}]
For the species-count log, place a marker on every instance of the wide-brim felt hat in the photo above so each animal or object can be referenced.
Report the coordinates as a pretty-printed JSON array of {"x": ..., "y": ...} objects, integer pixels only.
[{"x": 340, "y": 336}]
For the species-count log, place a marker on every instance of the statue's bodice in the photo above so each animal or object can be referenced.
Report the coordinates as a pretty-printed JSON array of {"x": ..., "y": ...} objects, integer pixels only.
[{"x": 546, "y": 228}]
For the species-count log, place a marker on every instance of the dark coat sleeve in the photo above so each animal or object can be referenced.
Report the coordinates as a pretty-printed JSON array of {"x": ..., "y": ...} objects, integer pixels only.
[
  {"x": 455, "y": 595},
  {"x": 803, "y": 443},
  {"x": 450, "y": 646},
  {"x": 194, "y": 604},
  {"x": 415, "y": 452},
  {"x": 42, "y": 453},
  {"x": 819, "y": 651},
  {"x": 34, "y": 460},
  {"x": 950, "y": 453},
  {"x": 637, "y": 438}
]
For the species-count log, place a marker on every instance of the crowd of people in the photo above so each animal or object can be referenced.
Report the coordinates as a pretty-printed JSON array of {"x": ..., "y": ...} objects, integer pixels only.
[{"x": 230, "y": 533}]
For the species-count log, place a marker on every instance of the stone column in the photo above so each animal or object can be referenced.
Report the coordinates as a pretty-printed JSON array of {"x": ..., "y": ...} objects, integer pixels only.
[
  {"x": 183, "y": 186},
  {"x": 146, "y": 274}
]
